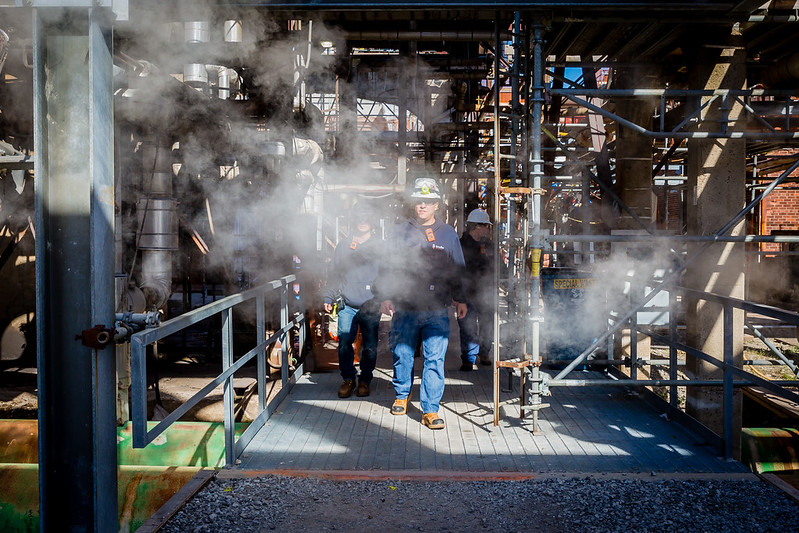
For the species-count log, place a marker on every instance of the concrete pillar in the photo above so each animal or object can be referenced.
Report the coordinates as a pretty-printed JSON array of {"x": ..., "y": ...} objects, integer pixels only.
[
  {"x": 634, "y": 152},
  {"x": 716, "y": 189},
  {"x": 634, "y": 179},
  {"x": 73, "y": 120}
]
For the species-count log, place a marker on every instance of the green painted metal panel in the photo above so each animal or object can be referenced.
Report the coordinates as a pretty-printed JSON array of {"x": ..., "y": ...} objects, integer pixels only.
[
  {"x": 183, "y": 444},
  {"x": 147, "y": 477},
  {"x": 200, "y": 444},
  {"x": 770, "y": 449}
]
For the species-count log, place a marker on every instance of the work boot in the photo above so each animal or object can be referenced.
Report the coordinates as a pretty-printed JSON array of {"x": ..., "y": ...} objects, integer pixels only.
[
  {"x": 363, "y": 389},
  {"x": 345, "y": 391},
  {"x": 485, "y": 359},
  {"x": 432, "y": 421},
  {"x": 468, "y": 367}
]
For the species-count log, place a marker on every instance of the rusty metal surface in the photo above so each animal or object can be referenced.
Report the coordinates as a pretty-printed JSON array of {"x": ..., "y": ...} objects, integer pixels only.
[
  {"x": 142, "y": 491},
  {"x": 19, "y": 441}
]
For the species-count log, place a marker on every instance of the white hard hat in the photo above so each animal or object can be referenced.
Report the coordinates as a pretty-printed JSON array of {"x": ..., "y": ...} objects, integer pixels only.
[
  {"x": 425, "y": 189},
  {"x": 478, "y": 216}
]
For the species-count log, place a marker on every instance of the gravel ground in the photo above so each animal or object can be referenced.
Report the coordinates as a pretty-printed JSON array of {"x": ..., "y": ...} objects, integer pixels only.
[{"x": 572, "y": 504}]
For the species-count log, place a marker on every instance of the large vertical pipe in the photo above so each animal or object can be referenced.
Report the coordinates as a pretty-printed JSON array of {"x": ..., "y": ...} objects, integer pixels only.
[
  {"x": 497, "y": 213},
  {"x": 158, "y": 234},
  {"x": 402, "y": 115},
  {"x": 515, "y": 179},
  {"x": 536, "y": 165},
  {"x": 73, "y": 121}
]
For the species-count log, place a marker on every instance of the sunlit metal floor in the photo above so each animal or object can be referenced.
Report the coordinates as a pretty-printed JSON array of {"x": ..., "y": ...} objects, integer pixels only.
[{"x": 587, "y": 429}]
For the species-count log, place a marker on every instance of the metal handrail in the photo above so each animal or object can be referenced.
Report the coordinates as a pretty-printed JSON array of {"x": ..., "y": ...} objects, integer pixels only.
[
  {"x": 138, "y": 349},
  {"x": 730, "y": 371}
]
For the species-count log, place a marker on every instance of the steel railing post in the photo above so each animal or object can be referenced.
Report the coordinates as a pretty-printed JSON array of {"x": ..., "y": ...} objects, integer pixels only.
[
  {"x": 633, "y": 346},
  {"x": 228, "y": 396},
  {"x": 673, "y": 393},
  {"x": 138, "y": 400},
  {"x": 728, "y": 378},
  {"x": 260, "y": 320},
  {"x": 285, "y": 338}
]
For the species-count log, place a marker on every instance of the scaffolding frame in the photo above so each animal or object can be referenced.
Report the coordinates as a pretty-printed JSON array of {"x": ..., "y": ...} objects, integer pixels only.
[{"x": 525, "y": 358}]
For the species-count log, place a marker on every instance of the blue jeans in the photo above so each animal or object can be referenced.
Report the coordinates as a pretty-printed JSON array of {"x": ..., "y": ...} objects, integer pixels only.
[
  {"x": 406, "y": 329},
  {"x": 350, "y": 320},
  {"x": 476, "y": 332}
]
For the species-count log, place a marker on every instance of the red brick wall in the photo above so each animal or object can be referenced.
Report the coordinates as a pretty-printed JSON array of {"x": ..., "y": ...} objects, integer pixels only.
[
  {"x": 669, "y": 209},
  {"x": 780, "y": 213}
]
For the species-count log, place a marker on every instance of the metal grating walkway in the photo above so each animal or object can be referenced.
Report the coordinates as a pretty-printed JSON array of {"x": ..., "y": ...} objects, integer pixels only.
[{"x": 586, "y": 430}]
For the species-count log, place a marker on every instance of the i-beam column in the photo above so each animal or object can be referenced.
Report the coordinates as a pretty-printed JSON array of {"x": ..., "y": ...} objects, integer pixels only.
[{"x": 73, "y": 117}]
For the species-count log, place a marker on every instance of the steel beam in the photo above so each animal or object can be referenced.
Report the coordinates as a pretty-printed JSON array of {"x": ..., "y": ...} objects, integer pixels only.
[{"x": 74, "y": 209}]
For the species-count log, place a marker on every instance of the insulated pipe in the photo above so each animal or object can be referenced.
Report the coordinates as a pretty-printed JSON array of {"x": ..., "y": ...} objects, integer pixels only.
[
  {"x": 157, "y": 235},
  {"x": 3, "y": 49},
  {"x": 425, "y": 35},
  {"x": 232, "y": 31},
  {"x": 195, "y": 74},
  {"x": 787, "y": 69}
]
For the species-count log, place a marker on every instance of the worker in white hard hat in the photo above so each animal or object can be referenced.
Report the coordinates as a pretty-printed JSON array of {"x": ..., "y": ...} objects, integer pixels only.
[
  {"x": 418, "y": 284},
  {"x": 476, "y": 328}
]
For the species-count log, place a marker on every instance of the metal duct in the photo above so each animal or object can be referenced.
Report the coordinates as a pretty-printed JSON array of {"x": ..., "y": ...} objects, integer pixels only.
[
  {"x": 226, "y": 78},
  {"x": 158, "y": 229},
  {"x": 232, "y": 32},
  {"x": 195, "y": 74},
  {"x": 197, "y": 32}
]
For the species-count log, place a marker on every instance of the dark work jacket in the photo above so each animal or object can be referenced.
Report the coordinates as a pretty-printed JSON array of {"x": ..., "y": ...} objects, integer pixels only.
[
  {"x": 478, "y": 278},
  {"x": 423, "y": 267},
  {"x": 478, "y": 258},
  {"x": 353, "y": 271}
]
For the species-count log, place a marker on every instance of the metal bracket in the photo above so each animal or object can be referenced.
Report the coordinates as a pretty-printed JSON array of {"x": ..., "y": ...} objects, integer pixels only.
[{"x": 97, "y": 337}]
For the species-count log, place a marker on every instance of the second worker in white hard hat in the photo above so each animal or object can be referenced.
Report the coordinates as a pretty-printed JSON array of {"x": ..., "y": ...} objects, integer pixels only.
[{"x": 476, "y": 328}]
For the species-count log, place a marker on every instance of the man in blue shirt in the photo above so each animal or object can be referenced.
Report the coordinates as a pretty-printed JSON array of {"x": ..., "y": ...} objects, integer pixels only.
[
  {"x": 350, "y": 279},
  {"x": 418, "y": 283}
]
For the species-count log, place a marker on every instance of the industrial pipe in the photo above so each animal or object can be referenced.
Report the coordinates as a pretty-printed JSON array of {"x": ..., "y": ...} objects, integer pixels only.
[
  {"x": 3, "y": 49},
  {"x": 787, "y": 69},
  {"x": 157, "y": 234},
  {"x": 425, "y": 35}
]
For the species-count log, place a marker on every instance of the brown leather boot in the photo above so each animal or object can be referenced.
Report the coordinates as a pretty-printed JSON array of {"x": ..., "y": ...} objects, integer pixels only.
[
  {"x": 363, "y": 389},
  {"x": 345, "y": 391}
]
